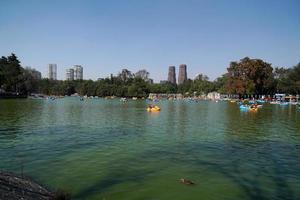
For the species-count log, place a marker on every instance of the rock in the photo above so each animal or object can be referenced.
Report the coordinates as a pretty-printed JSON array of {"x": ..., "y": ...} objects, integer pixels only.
[{"x": 13, "y": 187}]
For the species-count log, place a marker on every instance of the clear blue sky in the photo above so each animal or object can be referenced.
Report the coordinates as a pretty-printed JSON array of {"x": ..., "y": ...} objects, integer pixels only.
[{"x": 106, "y": 36}]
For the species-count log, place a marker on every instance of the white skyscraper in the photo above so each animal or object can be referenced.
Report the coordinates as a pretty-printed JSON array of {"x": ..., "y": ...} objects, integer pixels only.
[
  {"x": 52, "y": 71},
  {"x": 70, "y": 74},
  {"x": 78, "y": 72}
]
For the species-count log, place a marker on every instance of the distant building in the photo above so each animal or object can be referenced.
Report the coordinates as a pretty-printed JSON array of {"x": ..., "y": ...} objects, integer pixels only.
[
  {"x": 34, "y": 73},
  {"x": 182, "y": 76},
  {"x": 172, "y": 75},
  {"x": 163, "y": 82},
  {"x": 150, "y": 81},
  {"x": 78, "y": 72},
  {"x": 70, "y": 74},
  {"x": 52, "y": 71}
]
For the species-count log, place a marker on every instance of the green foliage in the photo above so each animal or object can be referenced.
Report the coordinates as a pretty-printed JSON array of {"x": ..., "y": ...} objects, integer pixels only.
[
  {"x": 143, "y": 74},
  {"x": 200, "y": 85},
  {"x": 14, "y": 78},
  {"x": 249, "y": 76},
  {"x": 10, "y": 73},
  {"x": 288, "y": 80},
  {"x": 220, "y": 84},
  {"x": 166, "y": 88},
  {"x": 185, "y": 87}
]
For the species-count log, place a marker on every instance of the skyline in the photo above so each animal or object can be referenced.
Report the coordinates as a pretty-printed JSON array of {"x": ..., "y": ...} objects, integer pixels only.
[{"x": 105, "y": 37}]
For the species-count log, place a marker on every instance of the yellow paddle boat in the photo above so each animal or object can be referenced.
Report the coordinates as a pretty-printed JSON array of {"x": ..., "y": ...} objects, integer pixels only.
[
  {"x": 253, "y": 109},
  {"x": 153, "y": 109}
]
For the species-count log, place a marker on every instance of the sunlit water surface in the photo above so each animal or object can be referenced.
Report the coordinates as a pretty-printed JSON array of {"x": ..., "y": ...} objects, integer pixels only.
[{"x": 105, "y": 149}]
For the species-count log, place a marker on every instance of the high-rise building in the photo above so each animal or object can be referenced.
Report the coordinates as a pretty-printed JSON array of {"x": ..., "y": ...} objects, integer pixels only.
[
  {"x": 172, "y": 75},
  {"x": 78, "y": 72},
  {"x": 150, "y": 81},
  {"x": 182, "y": 76},
  {"x": 70, "y": 74},
  {"x": 52, "y": 71}
]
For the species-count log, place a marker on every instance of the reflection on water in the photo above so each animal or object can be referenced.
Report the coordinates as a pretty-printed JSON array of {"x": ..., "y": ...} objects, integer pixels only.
[{"x": 106, "y": 149}]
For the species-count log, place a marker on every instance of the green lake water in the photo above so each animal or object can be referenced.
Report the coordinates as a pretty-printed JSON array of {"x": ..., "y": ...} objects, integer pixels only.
[{"x": 105, "y": 149}]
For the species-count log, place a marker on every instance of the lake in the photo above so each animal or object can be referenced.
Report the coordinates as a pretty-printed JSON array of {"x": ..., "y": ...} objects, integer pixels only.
[{"x": 105, "y": 149}]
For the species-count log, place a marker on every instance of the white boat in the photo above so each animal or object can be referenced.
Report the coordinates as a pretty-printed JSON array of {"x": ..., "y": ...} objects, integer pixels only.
[
  {"x": 274, "y": 102},
  {"x": 123, "y": 99},
  {"x": 283, "y": 103}
]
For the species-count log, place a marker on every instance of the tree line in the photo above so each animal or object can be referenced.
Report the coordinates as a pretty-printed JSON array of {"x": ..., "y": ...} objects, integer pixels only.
[{"x": 244, "y": 77}]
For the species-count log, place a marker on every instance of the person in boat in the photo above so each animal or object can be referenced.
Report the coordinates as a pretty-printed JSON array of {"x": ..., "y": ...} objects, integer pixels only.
[
  {"x": 187, "y": 182},
  {"x": 254, "y": 106}
]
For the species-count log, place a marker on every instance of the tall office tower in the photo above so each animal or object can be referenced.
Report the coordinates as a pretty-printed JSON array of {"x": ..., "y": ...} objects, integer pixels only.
[
  {"x": 78, "y": 72},
  {"x": 70, "y": 74},
  {"x": 182, "y": 76},
  {"x": 172, "y": 75},
  {"x": 52, "y": 71}
]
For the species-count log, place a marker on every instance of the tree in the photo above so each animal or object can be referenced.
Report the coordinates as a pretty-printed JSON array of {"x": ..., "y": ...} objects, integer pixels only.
[
  {"x": 125, "y": 75},
  {"x": 287, "y": 80},
  {"x": 281, "y": 72},
  {"x": 3, "y": 63},
  {"x": 201, "y": 77},
  {"x": 87, "y": 88},
  {"x": 249, "y": 76},
  {"x": 143, "y": 74},
  {"x": 28, "y": 82},
  {"x": 10, "y": 73},
  {"x": 220, "y": 84},
  {"x": 295, "y": 77},
  {"x": 200, "y": 85},
  {"x": 185, "y": 87}
]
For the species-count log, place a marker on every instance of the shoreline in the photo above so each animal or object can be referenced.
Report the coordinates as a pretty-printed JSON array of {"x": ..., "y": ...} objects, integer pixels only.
[
  {"x": 14, "y": 187},
  {"x": 12, "y": 96}
]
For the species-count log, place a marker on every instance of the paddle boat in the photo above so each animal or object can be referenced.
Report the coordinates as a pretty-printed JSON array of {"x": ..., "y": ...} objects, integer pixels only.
[
  {"x": 284, "y": 103},
  {"x": 251, "y": 102},
  {"x": 51, "y": 98},
  {"x": 244, "y": 107},
  {"x": 123, "y": 99},
  {"x": 153, "y": 108},
  {"x": 239, "y": 102},
  {"x": 260, "y": 101},
  {"x": 253, "y": 108},
  {"x": 274, "y": 102}
]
